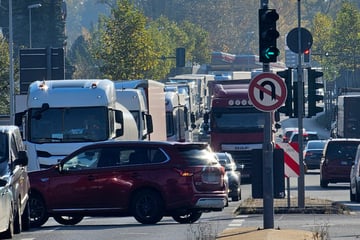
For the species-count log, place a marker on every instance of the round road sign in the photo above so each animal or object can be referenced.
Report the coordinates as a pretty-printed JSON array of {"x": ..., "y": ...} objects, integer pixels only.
[{"x": 267, "y": 92}]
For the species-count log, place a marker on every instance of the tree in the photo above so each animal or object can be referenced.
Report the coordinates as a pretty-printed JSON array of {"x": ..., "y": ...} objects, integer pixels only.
[
  {"x": 126, "y": 49},
  {"x": 321, "y": 32},
  {"x": 4, "y": 76},
  {"x": 82, "y": 59},
  {"x": 345, "y": 36}
]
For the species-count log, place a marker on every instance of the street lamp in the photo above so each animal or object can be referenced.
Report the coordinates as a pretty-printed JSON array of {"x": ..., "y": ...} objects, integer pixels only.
[{"x": 37, "y": 5}]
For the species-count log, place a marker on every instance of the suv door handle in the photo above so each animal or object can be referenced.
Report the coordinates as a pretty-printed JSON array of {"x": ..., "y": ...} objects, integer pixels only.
[{"x": 91, "y": 177}]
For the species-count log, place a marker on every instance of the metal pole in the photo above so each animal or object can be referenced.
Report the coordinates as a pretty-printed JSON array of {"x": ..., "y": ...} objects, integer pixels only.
[
  {"x": 301, "y": 188},
  {"x": 268, "y": 149},
  {"x": 37, "y": 5},
  {"x": 11, "y": 70},
  {"x": 30, "y": 45}
]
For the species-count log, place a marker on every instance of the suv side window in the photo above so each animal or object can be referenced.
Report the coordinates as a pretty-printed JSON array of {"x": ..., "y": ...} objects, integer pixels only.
[{"x": 85, "y": 160}]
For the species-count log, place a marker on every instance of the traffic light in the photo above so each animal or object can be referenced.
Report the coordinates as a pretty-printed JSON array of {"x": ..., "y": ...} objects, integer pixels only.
[
  {"x": 313, "y": 96},
  {"x": 268, "y": 35},
  {"x": 306, "y": 55},
  {"x": 288, "y": 108},
  {"x": 180, "y": 57}
]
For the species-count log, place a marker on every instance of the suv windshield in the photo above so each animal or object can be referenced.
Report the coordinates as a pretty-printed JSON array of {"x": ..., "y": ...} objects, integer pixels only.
[{"x": 196, "y": 155}]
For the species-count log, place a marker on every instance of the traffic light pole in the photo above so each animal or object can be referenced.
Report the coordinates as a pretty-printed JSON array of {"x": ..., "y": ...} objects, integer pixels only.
[
  {"x": 300, "y": 89},
  {"x": 268, "y": 149}
]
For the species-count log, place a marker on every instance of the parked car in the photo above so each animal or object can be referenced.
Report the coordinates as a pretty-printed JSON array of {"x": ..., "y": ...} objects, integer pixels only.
[
  {"x": 14, "y": 183},
  {"x": 144, "y": 179},
  {"x": 312, "y": 153},
  {"x": 337, "y": 159},
  {"x": 233, "y": 176},
  {"x": 355, "y": 178}
]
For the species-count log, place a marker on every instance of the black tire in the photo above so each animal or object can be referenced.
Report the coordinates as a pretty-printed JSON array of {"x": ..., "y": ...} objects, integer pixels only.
[
  {"x": 235, "y": 198},
  {"x": 9, "y": 233},
  {"x": 352, "y": 196},
  {"x": 17, "y": 219},
  {"x": 189, "y": 217},
  {"x": 357, "y": 194},
  {"x": 68, "y": 220},
  {"x": 25, "y": 218},
  {"x": 147, "y": 207},
  {"x": 38, "y": 212},
  {"x": 323, "y": 183}
]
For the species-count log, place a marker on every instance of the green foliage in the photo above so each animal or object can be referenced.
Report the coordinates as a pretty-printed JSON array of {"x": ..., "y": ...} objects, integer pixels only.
[
  {"x": 4, "y": 76},
  {"x": 82, "y": 59},
  {"x": 126, "y": 47},
  {"x": 337, "y": 42}
]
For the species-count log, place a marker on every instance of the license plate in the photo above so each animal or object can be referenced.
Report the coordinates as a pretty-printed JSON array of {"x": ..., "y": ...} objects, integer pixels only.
[
  {"x": 343, "y": 163},
  {"x": 211, "y": 178}
]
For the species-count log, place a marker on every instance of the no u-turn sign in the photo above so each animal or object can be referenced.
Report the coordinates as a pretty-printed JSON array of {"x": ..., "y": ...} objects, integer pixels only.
[{"x": 267, "y": 92}]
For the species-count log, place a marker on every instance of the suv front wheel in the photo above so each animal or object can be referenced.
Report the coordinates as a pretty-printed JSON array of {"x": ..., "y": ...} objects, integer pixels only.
[
  {"x": 38, "y": 213},
  {"x": 147, "y": 207}
]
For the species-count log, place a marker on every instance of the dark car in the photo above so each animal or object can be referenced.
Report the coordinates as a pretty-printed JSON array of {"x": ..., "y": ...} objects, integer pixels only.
[
  {"x": 144, "y": 179},
  {"x": 14, "y": 183},
  {"x": 355, "y": 178},
  {"x": 312, "y": 153},
  {"x": 204, "y": 132},
  {"x": 233, "y": 176},
  {"x": 336, "y": 161}
]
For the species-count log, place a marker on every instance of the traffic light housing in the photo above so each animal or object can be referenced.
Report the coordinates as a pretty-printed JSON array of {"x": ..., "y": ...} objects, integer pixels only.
[
  {"x": 268, "y": 35},
  {"x": 287, "y": 109},
  {"x": 180, "y": 57},
  {"x": 313, "y": 96}
]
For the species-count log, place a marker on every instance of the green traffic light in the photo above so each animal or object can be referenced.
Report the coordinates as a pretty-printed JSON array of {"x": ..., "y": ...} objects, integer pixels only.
[{"x": 271, "y": 52}]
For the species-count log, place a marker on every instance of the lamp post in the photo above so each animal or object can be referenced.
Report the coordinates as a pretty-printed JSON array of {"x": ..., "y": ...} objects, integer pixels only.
[{"x": 37, "y": 5}]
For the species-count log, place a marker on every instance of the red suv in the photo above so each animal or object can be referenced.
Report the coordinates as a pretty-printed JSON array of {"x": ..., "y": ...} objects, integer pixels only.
[{"x": 144, "y": 179}]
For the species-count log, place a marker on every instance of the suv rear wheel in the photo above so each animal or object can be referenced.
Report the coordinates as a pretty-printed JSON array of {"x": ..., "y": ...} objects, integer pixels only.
[
  {"x": 189, "y": 217},
  {"x": 147, "y": 207},
  {"x": 68, "y": 220}
]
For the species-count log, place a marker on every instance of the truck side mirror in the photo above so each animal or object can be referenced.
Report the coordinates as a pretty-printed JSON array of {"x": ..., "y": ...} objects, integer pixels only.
[{"x": 149, "y": 123}]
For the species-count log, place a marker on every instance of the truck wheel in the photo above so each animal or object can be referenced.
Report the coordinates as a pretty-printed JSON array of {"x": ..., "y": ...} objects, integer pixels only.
[
  {"x": 68, "y": 220},
  {"x": 38, "y": 212},
  {"x": 189, "y": 217},
  {"x": 147, "y": 207}
]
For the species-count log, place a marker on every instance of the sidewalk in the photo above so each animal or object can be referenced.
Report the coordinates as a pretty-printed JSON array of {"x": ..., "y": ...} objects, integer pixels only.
[{"x": 265, "y": 234}]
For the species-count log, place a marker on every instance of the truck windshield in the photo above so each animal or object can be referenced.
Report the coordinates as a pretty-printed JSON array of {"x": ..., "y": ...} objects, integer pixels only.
[
  {"x": 81, "y": 124},
  {"x": 237, "y": 121}
]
